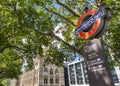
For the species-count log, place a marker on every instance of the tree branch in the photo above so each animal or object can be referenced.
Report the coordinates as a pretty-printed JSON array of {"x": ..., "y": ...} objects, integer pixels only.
[
  {"x": 70, "y": 46},
  {"x": 66, "y": 7},
  {"x": 108, "y": 45},
  {"x": 1, "y": 71},
  {"x": 11, "y": 46},
  {"x": 50, "y": 34},
  {"x": 68, "y": 20}
]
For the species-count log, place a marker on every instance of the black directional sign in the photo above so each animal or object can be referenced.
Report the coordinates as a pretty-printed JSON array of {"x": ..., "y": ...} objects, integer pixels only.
[{"x": 98, "y": 71}]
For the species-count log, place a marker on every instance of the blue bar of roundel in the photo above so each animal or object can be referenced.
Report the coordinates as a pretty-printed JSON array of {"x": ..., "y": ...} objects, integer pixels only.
[{"x": 89, "y": 21}]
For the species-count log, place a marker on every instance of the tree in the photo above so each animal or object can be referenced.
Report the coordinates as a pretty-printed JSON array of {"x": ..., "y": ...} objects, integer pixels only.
[
  {"x": 27, "y": 28},
  {"x": 4, "y": 82},
  {"x": 111, "y": 39}
]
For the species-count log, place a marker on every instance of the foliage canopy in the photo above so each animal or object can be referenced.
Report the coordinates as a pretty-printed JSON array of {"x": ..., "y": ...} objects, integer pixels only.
[{"x": 29, "y": 27}]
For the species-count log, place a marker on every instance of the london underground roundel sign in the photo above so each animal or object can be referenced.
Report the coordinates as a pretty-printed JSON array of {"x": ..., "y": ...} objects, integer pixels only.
[{"x": 91, "y": 24}]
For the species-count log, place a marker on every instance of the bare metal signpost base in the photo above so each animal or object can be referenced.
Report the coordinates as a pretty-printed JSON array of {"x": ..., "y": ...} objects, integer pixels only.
[{"x": 98, "y": 71}]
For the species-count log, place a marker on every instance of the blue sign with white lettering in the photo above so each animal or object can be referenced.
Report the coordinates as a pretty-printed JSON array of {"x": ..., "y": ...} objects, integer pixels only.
[{"x": 88, "y": 22}]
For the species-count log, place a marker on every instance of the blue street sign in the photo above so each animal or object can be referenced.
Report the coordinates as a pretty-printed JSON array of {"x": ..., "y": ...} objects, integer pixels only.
[{"x": 88, "y": 22}]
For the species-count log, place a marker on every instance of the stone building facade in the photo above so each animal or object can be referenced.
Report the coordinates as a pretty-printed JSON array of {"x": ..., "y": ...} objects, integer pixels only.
[{"x": 41, "y": 75}]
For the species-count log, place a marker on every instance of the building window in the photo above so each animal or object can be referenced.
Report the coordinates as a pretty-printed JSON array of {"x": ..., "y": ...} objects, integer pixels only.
[
  {"x": 51, "y": 71},
  {"x": 78, "y": 73},
  {"x": 56, "y": 71},
  {"x": 35, "y": 79},
  {"x": 45, "y": 69},
  {"x": 57, "y": 81},
  {"x": 51, "y": 80},
  {"x": 114, "y": 76},
  {"x": 45, "y": 80},
  {"x": 72, "y": 74},
  {"x": 17, "y": 83}
]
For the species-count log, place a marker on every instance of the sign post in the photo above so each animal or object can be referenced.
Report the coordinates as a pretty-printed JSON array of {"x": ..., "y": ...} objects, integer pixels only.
[{"x": 91, "y": 25}]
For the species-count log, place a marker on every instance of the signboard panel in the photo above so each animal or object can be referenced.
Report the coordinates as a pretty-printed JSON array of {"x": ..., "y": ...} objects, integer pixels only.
[
  {"x": 92, "y": 23},
  {"x": 98, "y": 71}
]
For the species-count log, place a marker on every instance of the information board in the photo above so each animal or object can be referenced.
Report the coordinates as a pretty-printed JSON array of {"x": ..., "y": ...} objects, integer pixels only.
[{"x": 98, "y": 71}]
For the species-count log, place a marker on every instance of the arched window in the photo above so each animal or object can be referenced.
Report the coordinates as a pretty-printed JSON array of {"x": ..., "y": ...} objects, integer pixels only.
[
  {"x": 51, "y": 80},
  {"x": 51, "y": 71},
  {"x": 57, "y": 80},
  {"x": 56, "y": 71},
  {"x": 45, "y": 80}
]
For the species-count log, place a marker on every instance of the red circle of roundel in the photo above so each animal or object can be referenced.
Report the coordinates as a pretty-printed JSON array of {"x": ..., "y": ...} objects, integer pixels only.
[{"x": 93, "y": 30}]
